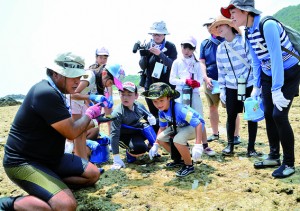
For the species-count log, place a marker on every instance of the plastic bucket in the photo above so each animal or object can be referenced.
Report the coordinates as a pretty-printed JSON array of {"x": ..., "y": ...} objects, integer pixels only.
[
  {"x": 253, "y": 110},
  {"x": 101, "y": 153}
]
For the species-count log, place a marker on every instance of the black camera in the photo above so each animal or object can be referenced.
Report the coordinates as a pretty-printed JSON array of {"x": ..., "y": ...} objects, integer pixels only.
[{"x": 141, "y": 47}]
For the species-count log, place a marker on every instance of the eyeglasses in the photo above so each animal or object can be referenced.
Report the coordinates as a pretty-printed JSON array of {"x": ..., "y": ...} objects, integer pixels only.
[
  {"x": 70, "y": 64},
  {"x": 158, "y": 35}
]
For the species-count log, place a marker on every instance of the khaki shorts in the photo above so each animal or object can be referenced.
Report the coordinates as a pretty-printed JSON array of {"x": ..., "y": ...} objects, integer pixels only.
[
  {"x": 182, "y": 136},
  {"x": 212, "y": 99}
]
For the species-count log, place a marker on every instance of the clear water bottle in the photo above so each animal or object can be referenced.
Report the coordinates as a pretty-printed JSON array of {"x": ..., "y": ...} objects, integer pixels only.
[
  {"x": 186, "y": 95},
  {"x": 241, "y": 89}
]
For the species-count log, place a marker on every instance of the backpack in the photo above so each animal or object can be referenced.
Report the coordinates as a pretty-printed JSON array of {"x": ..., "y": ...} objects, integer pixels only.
[{"x": 294, "y": 36}]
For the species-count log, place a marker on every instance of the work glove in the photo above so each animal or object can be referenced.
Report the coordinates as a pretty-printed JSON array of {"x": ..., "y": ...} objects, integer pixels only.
[
  {"x": 153, "y": 151},
  {"x": 192, "y": 83},
  {"x": 223, "y": 95},
  {"x": 279, "y": 100},
  {"x": 101, "y": 119},
  {"x": 93, "y": 111},
  {"x": 110, "y": 102},
  {"x": 151, "y": 119},
  {"x": 118, "y": 163},
  {"x": 92, "y": 144},
  {"x": 99, "y": 99},
  {"x": 255, "y": 92},
  {"x": 197, "y": 152}
]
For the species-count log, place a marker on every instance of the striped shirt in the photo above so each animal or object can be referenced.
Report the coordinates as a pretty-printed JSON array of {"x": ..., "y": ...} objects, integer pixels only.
[
  {"x": 227, "y": 74},
  {"x": 267, "y": 55}
]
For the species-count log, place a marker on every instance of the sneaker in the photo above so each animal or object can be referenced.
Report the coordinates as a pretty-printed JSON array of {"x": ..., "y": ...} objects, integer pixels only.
[
  {"x": 7, "y": 203},
  {"x": 175, "y": 164},
  {"x": 101, "y": 170},
  {"x": 237, "y": 140},
  {"x": 267, "y": 163},
  {"x": 130, "y": 159},
  {"x": 185, "y": 170},
  {"x": 283, "y": 171},
  {"x": 253, "y": 153},
  {"x": 209, "y": 151},
  {"x": 213, "y": 137}
]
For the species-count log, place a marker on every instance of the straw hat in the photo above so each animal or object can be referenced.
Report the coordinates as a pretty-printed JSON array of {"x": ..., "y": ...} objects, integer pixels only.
[{"x": 220, "y": 21}]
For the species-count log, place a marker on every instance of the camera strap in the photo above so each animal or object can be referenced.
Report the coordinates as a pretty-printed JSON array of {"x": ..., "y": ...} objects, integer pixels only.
[{"x": 249, "y": 66}]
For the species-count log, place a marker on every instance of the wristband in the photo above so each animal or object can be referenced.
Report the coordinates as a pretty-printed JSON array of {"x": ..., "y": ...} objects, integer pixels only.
[{"x": 95, "y": 123}]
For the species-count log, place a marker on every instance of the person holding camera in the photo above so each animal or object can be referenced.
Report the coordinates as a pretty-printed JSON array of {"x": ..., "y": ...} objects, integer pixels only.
[
  {"x": 233, "y": 62},
  {"x": 156, "y": 60}
]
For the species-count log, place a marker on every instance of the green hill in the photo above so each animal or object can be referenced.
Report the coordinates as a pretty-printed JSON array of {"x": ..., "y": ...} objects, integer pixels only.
[{"x": 289, "y": 16}]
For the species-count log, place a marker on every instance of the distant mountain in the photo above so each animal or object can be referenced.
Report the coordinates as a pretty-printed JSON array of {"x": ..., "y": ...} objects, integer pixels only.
[
  {"x": 16, "y": 97},
  {"x": 289, "y": 16}
]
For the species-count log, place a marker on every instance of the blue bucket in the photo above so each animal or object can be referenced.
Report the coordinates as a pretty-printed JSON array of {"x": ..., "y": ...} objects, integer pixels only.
[
  {"x": 101, "y": 153},
  {"x": 253, "y": 109}
]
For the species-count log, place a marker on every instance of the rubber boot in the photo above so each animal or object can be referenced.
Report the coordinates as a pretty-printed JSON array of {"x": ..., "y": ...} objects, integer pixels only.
[
  {"x": 130, "y": 159},
  {"x": 229, "y": 149}
]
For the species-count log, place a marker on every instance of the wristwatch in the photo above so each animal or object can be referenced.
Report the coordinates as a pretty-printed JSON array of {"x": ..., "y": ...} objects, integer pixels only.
[{"x": 95, "y": 123}]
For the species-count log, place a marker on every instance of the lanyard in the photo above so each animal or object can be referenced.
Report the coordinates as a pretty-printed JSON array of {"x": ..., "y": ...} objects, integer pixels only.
[{"x": 61, "y": 95}]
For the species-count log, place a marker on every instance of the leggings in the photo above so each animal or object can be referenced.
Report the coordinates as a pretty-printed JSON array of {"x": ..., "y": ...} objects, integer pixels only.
[
  {"x": 233, "y": 107},
  {"x": 278, "y": 126}
]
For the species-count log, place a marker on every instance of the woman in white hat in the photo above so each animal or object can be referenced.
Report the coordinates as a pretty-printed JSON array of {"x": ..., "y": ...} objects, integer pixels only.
[
  {"x": 277, "y": 76},
  {"x": 156, "y": 61},
  {"x": 233, "y": 62}
]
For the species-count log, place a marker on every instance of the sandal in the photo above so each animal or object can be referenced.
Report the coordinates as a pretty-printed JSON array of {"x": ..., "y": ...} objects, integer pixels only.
[{"x": 267, "y": 163}]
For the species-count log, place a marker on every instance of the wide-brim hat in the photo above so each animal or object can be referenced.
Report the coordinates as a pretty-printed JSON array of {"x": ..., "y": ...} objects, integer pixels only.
[
  {"x": 158, "y": 28},
  {"x": 118, "y": 74},
  {"x": 245, "y": 5},
  {"x": 209, "y": 21},
  {"x": 220, "y": 21},
  {"x": 160, "y": 89},
  {"x": 68, "y": 65}
]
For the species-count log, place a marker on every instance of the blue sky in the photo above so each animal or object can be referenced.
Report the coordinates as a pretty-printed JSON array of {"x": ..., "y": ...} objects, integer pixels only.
[{"x": 32, "y": 32}]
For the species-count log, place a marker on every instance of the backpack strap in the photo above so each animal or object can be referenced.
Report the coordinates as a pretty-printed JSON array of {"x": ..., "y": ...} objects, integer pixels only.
[{"x": 261, "y": 30}]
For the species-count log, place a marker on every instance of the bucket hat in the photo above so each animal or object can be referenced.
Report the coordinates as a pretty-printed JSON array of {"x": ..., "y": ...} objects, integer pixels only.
[
  {"x": 118, "y": 73},
  {"x": 190, "y": 40},
  {"x": 102, "y": 51},
  {"x": 158, "y": 28},
  {"x": 160, "y": 89},
  {"x": 209, "y": 21},
  {"x": 245, "y": 5},
  {"x": 220, "y": 21},
  {"x": 68, "y": 65},
  {"x": 131, "y": 87}
]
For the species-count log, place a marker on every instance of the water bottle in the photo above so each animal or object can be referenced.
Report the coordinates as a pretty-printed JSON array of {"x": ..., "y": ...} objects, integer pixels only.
[
  {"x": 241, "y": 89},
  {"x": 186, "y": 95}
]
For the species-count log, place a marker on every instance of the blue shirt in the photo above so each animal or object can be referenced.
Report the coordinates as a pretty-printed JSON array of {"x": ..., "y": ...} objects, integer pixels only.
[
  {"x": 184, "y": 116},
  {"x": 208, "y": 50}
]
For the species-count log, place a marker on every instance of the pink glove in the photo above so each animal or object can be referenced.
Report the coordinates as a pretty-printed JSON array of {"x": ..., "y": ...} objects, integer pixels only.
[
  {"x": 192, "y": 83},
  {"x": 93, "y": 111}
]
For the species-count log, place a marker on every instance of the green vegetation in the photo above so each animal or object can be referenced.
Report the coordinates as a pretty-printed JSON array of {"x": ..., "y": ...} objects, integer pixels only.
[{"x": 289, "y": 16}]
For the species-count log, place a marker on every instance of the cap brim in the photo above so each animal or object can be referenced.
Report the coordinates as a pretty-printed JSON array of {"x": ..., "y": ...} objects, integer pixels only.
[
  {"x": 225, "y": 10},
  {"x": 118, "y": 84}
]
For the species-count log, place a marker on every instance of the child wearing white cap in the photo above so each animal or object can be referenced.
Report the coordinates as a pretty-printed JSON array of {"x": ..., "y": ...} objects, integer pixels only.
[{"x": 186, "y": 72}]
